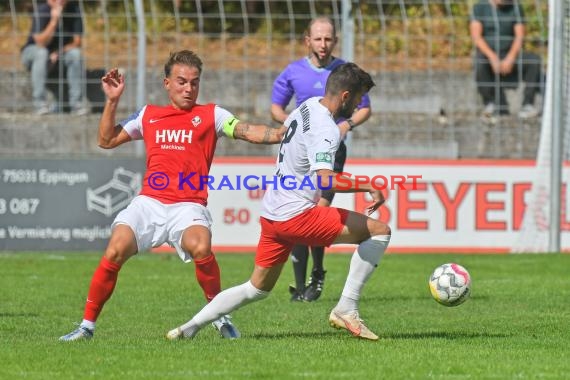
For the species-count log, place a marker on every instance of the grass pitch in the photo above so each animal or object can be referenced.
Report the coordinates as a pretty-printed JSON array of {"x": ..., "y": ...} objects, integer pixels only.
[{"x": 515, "y": 326}]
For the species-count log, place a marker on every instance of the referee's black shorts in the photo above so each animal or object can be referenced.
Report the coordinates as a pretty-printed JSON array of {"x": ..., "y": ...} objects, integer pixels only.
[{"x": 339, "y": 160}]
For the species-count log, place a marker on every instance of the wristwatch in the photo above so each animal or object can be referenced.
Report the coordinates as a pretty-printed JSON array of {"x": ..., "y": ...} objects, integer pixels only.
[{"x": 351, "y": 124}]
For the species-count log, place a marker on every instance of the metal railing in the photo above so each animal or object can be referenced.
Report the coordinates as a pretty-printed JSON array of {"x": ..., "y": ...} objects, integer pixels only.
[{"x": 419, "y": 52}]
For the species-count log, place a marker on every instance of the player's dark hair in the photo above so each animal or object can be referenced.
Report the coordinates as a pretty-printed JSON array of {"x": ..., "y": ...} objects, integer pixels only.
[
  {"x": 182, "y": 57},
  {"x": 348, "y": 77}
]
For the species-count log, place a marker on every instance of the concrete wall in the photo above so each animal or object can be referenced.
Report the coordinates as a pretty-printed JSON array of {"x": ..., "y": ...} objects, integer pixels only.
[{"x": 419, "y": 115}]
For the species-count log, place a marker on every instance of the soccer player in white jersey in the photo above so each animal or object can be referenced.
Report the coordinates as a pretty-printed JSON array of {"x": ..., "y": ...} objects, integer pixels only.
[
  {"x": 292, "y": 215},
  {"x": 180, "y": 140},
  {"x": 303, "y": 79}
]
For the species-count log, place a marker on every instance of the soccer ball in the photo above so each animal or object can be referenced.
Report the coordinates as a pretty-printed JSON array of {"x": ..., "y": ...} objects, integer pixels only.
[{"x": 450, "y": 284}]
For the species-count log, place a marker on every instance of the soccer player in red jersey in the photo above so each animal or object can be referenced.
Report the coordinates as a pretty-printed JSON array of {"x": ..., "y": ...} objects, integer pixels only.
[{"x": 180, "y": 141}]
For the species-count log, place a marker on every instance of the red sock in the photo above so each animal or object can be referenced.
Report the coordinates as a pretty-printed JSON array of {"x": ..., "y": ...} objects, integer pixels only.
[
  {"x": 208, "y": 276},
  {"x": 102, "y": 285}
]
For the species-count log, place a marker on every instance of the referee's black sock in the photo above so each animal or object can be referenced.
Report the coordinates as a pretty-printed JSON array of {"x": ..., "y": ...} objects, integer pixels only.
[
  {"x": 318, "y": 254},
  {"x": 299, "y": 257}
]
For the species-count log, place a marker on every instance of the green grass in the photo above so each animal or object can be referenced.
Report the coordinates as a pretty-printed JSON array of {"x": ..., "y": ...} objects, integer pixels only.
[{"x": 515, "y": 326}]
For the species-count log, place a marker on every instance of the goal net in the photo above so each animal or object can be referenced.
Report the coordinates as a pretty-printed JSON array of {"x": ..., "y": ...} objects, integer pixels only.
[{"x": 537, "y": 227}]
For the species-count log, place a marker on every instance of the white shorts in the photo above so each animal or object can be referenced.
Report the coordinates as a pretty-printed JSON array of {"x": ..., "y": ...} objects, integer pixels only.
[{"x": 155, "y": 223}]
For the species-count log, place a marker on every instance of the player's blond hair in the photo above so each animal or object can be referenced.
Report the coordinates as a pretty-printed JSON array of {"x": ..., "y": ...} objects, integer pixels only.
[{"x": 182, "y": 57}]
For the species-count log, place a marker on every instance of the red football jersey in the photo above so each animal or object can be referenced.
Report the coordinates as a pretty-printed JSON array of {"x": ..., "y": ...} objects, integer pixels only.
[{"x": 180, "y": 147}]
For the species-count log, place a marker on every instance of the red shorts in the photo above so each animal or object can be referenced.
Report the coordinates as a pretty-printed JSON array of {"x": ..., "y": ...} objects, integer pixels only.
[{"x": 318, "y": 226}]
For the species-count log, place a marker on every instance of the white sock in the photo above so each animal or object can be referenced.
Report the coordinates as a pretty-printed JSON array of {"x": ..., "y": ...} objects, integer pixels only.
[
  {"x": 363, "y": 262},
  {"x": 224, "y": 303},
  {"x": 88, "y": 324}
]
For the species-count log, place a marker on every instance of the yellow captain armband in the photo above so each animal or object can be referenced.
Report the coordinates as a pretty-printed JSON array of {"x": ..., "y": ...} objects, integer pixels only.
[{"x": 229, "y": 126}]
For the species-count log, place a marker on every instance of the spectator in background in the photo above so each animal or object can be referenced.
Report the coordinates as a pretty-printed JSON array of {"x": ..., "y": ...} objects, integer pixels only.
[
  {"x": 55, "y": 37},
  {"x": 498, "y": 30},
  {"x": 306, "y": 78}
]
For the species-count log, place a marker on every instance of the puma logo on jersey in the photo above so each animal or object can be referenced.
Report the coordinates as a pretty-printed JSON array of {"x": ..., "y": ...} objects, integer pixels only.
[{"x": 173, "y": 136}]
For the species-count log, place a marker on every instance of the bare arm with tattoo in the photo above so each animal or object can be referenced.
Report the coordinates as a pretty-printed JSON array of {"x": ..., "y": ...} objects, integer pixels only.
[{"x": 259, "y": 133}]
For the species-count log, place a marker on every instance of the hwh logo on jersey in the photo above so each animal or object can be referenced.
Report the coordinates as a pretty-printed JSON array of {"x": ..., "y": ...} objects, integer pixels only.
[{"x": 173, "y": 136}]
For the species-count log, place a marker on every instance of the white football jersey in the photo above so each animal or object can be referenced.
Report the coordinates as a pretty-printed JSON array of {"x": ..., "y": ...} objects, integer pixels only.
[{"x": 310, "y": 144}]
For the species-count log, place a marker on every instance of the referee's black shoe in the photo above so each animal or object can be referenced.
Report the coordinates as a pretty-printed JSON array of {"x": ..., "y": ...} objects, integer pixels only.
[
  {"x": 296, "y": 295},
  {"x": 315, "y": 286}
]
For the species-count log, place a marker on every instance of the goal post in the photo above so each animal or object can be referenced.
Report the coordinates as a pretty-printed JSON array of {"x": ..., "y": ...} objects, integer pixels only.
[{"x": 541, "y": 227}]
